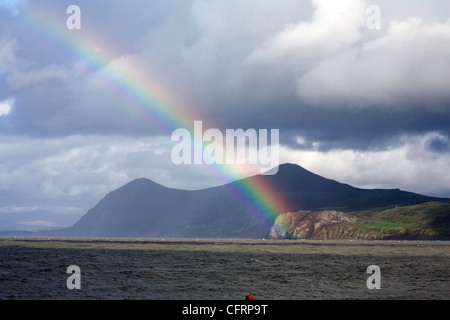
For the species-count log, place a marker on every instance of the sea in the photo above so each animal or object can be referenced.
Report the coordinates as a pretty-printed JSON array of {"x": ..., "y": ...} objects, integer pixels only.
[{"x": 222, "y": 269}]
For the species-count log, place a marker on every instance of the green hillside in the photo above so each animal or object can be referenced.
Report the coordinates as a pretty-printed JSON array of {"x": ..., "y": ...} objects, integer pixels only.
[{"x": 430, "y": 220}]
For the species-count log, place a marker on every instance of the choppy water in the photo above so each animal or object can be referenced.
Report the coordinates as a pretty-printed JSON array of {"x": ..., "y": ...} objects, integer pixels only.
[{"x": 222, "y": 269}]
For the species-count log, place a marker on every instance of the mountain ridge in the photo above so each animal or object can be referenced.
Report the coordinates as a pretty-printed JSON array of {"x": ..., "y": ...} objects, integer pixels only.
[{"x": 144, "y": 208}]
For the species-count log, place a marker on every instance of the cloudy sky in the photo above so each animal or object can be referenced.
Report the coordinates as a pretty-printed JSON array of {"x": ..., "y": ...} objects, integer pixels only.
[{"x": 357, "y": 97}]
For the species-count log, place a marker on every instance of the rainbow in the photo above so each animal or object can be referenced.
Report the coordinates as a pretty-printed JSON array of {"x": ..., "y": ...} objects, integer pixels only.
[{"x": 142, "y": 96}]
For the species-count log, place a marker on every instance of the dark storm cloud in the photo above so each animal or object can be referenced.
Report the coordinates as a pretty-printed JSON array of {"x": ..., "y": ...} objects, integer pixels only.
[
  {"x": 339, "y": 127},
  {"x": 439, "y": 144},
  {"x": 181, "y": 40},
  {"x": 278, "y": 67}
]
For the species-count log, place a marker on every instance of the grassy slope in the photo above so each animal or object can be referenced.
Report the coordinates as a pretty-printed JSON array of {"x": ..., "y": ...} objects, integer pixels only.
[{"x": 430, "y": 220}]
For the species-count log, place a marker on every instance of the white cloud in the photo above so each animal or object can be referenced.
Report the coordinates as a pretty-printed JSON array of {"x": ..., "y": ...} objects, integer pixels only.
[
  {"x": 411, "y": 166},
  {"x": 25, "y": 78},
  {"x": 8, "y": 59},
  {"x": 411, "y": 61},
  {"x": 12, "y": 6},
  {"x": 6, "y": 106},
  {"x": 82, "y": 169},
  {"x": 39, "y": 223},
  {"x": 335, "y": 24},
  {"x": 333, "y": 59}
]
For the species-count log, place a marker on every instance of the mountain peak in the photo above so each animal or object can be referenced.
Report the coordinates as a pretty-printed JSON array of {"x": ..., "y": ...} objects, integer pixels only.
[
  {"x": 291, "y": 168},
  {"x": 140, "y": 183}
]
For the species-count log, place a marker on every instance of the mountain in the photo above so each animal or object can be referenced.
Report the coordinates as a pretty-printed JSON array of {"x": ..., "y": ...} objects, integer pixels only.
[{"x": 143, "y": 208}]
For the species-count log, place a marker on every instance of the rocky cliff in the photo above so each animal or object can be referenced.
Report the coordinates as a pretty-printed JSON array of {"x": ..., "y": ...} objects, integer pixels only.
[
  {"x": 426, "y": 221},
  {"x": 308, "y": 224}
]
